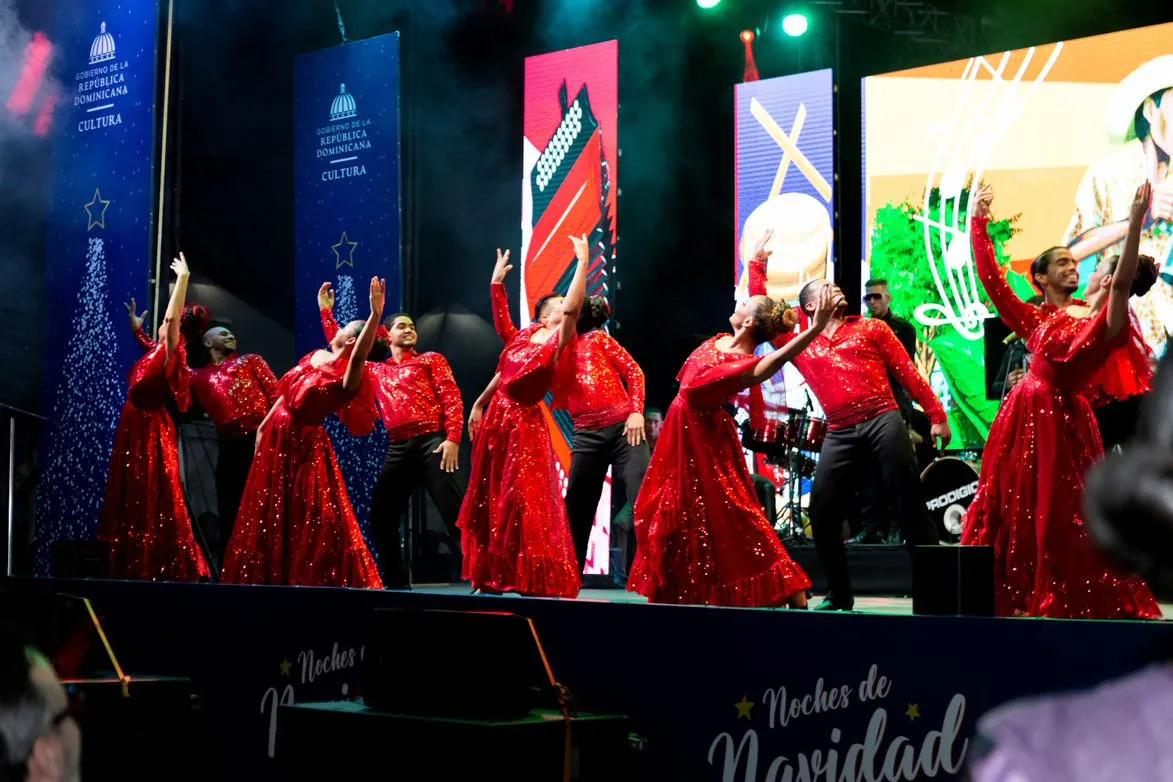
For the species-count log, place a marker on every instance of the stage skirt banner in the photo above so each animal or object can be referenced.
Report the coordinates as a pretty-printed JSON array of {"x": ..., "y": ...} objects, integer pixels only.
[
  {"x": 570, "y": 151},
  {"x": 346, "y": 148},
  {"x": 98, "y": 249},
  {"x": 784, "y": 135}
]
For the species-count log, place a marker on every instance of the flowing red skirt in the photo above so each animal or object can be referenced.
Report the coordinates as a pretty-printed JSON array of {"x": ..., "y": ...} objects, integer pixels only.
[
  {"x": 295, "y": 524},
  {"x": 515, "y": 533},
  {"x": 701, "y": 535},
  {"x": 144, "y": 517},
  {"x": 1029, "y": 508}
]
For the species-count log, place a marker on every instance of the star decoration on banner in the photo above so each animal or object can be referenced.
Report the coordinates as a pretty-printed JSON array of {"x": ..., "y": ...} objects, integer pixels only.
[
  {"x": 339, "y": 260},
  {"x": 92, "y": 207},
  {"x": 285, "y": 666},
  {"x": 743, "y": 707},
  {"x": 913, "y": 711}
]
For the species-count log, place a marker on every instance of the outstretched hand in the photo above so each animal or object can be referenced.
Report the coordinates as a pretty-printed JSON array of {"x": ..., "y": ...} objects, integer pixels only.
[
  {"x": 179, "y": 266},
  {"x": 502, "y": 267},
  {"x": 136, "y": 321},
  {"x": 582, "y": 248},
  {"x": 829, "y": 301},
  {"x": 984, "y": 199},
  {"x": 1142, "y": 201},
  {"x": 325, "y": 297},
  {"x": 378, "y": 296},
  {"x": 760, "y": 253}
]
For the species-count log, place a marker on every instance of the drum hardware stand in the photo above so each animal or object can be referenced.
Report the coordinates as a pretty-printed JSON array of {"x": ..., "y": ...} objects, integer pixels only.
[{"x": 792, "y": 520}]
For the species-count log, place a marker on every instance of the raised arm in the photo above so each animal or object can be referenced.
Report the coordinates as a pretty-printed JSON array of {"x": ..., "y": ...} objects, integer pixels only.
[
  {"x": 136, "y": 327},
  {"x": 757, "y": 283},
  {"x": 362, "y": 347},
  {"x": 502, "y": 320},
  {"x": 478, "y": 407},
  {"x": 169, "y": 328},
  {"x": 326, "y": 308},
  {"x": 770, "y": 363},
  {"x": 1022, "y": 318},
  {"x": 1121, "y": 285},
  {"x": 576, "y": 294}
]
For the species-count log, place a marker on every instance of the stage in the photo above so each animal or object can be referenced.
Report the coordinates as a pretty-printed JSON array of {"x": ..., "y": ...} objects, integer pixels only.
[{"x": 711, "y": 693}]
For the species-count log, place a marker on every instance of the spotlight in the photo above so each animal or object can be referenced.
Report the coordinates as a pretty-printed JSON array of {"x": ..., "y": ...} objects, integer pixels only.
[
  {"x": 794, "y": 25},
  {"x": 747, "y": 36},
  {"x": 707, "y": 3}
]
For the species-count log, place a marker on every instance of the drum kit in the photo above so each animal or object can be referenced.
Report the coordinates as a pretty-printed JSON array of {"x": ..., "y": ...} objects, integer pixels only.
[{"x": 793, "y": 440}]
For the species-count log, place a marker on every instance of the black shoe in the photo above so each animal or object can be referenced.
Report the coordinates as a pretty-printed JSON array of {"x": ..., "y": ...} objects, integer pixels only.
[{"x": 829, "y": 605}]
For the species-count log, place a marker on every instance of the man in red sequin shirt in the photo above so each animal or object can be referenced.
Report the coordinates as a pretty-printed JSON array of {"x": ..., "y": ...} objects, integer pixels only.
[
  {"x": 847, "y": 368},
  {"x": 423, "y": 412},
  {"x": 236, "y": 390},
  {"x": 605, "y": 399}
]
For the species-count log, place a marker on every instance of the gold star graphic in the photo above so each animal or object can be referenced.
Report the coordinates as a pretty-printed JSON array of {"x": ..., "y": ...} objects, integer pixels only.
[
  {"x": 340, "y": 261},
  {"x": 743, "y": 708},
  {"x": 285, "y": 666},
  {"x": 100, "y": 220},
  {"x": 913, "y": 711}
]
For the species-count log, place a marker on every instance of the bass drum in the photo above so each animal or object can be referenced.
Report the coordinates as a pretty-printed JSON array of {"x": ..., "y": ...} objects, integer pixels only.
[{"x": 949, "y": 485}]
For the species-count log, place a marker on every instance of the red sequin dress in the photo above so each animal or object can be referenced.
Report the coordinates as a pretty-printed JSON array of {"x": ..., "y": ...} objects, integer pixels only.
[
  {"x": 296, "y": 525},
  {"x": 515, "y": 534},
  {"x": 144, "y": 517},
  {"x": 1127, "y": 372},
  {"x": 701, "y": 535},
  {"x": 1028, "y": 504}
]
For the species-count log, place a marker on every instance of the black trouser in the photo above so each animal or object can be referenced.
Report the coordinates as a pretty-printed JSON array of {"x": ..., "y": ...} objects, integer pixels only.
[
  {"x": 233, "y": 462},
  {"x": 1118, "y": 420},
  {"x": 875, "y": 510},
  {"x": 879, "y": 445},
  {"x": 409, "y": 463},
  {"x": 594, "y": 451}
]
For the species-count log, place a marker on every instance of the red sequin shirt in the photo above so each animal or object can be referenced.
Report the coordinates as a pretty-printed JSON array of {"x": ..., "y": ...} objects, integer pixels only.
[
  {"x": 848, "y": 371},
  {"x": 236, "y": 393},
  {"x": 415, "y": 395},
  {"x": 608, "y": 385}
]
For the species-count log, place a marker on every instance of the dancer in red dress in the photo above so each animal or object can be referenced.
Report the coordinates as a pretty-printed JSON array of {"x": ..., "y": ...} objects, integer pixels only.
[
  {"x": 605, "y": 399},
  {"x": 236, "y": 390},
  {"x": 144, "y": 516},
  {"x": 1041, "y": 444},
  {"x": 296, "y": 524},
  {"x": 701, "y": 535},
  {"x": 515, "y": 533}
]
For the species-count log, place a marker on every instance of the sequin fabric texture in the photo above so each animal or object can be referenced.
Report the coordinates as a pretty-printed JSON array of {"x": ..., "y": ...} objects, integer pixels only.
[
  {"x": 296, "y": 525},
  {"x": 416, "y": 395},
  {"x": 607, "y": 384},
  {"x": 848, "y": 371},
  {"x": 144, "y": 516},
  {"x": 514, "y": 530},
  {"x": 1128, "y": 370},
  {"x": 236, "y": 393},
  {"x": 701, "y": 534},
  {"x": 1028, "y": 504}
]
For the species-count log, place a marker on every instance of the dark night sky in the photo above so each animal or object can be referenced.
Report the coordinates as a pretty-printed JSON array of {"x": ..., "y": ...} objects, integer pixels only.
[{"x": 232, "y": 193}]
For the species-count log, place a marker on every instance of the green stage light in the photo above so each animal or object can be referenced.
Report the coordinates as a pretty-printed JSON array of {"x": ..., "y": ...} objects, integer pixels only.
[
  {"x": 795, "y": 25},
  {"x": 707, "y": 3}
]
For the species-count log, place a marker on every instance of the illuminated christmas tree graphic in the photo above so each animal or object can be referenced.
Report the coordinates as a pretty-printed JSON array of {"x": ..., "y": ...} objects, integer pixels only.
[
  {"x": 360, "y": 458},
  {"x": 79, "y": 435}
]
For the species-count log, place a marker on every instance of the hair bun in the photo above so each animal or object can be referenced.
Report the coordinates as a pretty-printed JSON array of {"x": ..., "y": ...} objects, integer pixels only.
[
  {"x": 789, "y": 319},
  {"x": 1146, "y": 275},
  {"x": 194, "y": 321}
]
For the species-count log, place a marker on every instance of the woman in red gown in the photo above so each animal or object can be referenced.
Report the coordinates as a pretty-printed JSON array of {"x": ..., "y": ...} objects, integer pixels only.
[
  {"x": 701, "y": 534},
  {"x": 144, "y": 517},
  {"x": 515, "y": 533},
  {"x": 1028, "y": 504},
  {"x": 296, "y": 525}
]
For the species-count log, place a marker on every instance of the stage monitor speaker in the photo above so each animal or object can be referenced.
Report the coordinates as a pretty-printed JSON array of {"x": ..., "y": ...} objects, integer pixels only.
[
  {"x": 953, "y": 580},
  {"x": 477, "y": 665}
]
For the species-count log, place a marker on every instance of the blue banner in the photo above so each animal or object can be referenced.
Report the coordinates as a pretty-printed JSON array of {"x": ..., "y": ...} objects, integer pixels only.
[
  {"x": 98, "y": 250},
  {"x": 346, "y": 152}
]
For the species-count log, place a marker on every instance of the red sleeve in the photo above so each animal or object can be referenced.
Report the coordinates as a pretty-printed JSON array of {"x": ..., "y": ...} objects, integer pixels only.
[
  {"x": 757, "y": 287},
  {"x": 329, "y": 325},
  {"x": 629, "y": 370},
  {"x": 501, "y": 319},
  {"x": 901, "y": 366},
  {"x": 179, "y": 377},
  {"x": 264, "y": 376},
  {"x": 1022, "y": 318},
  {"x": 144, "y": 341},
  {"x": 449, "y": 395},
  {"x": 360, "y": 414},
  {"x": 711, "y": 387}
]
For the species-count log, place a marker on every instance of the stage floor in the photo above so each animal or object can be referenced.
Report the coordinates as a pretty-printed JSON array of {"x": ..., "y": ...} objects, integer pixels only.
[{"x": 870, "y": 604}]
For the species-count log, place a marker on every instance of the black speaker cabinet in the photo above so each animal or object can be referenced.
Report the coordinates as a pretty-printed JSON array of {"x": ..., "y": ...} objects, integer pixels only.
[
  {"x": 953, "y": 580},
  {"x": 463, "y": 664}
]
